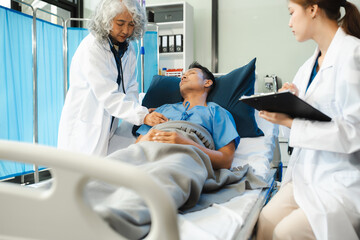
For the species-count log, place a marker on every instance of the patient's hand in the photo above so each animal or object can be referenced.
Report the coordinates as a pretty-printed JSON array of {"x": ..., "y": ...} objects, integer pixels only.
[
  {"x": 155, "y": 135},
  {"x": 154, "y": 118},
  {"x": 291, "y": 87},
  {"x": 170, "y": 137}
]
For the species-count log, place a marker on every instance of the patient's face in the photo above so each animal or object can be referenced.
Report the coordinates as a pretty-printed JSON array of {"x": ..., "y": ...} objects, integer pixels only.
[{"x": 192, "y": 79}]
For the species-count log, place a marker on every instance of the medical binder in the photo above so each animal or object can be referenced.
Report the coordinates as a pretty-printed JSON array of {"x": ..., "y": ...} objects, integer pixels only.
[
  {"x": 179, "y": 43},
  {"x": 171, "y": 43},
  {"x": 285, "y": 102},
  {"x": 164, "y": 43}
]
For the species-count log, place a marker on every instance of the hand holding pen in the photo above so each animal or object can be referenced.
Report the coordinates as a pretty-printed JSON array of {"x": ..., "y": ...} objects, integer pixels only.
[{"x": 290, "y": 87}]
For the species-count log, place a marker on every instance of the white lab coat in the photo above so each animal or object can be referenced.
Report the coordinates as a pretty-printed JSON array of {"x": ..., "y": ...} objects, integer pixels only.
[
  {"x": 94, "y": 97},
  {"x": 325, "y": 164}
]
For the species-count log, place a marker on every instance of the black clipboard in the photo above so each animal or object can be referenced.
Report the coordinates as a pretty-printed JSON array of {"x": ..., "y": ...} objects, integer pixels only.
[{"x": 285, "y": 102}]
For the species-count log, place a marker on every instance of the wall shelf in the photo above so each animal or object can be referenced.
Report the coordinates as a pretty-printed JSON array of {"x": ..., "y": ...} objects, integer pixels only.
[{"x": 173, "y": 19}]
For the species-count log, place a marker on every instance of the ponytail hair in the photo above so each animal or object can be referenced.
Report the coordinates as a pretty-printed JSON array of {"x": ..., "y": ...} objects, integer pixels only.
[{"x": 351, "y": 21}]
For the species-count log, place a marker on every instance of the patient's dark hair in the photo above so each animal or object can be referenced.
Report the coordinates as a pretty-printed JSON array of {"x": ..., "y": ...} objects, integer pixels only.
[{"x": 207, "y": 74}]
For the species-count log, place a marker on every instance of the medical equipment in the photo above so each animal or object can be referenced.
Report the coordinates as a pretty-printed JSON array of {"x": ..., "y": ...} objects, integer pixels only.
[
  {"x": 118, "y": 54},
  {"x": 271, "y": 83}
]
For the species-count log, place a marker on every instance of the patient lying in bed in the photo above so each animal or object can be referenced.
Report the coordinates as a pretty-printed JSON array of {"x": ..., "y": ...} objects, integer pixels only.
[
  {"x": 195, "y": 86},
  {"x": 191, "y": 152}
]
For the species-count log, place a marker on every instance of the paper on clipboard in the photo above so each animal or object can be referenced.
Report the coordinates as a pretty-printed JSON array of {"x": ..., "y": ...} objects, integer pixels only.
[{"x": 285, "y": 102}]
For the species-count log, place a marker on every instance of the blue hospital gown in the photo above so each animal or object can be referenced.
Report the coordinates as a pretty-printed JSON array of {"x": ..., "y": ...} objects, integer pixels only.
[{"x": 217, "y": 120}]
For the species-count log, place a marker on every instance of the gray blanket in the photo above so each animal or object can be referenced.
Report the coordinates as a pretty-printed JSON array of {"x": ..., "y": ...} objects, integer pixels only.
[{"x": 183, "y": 170}]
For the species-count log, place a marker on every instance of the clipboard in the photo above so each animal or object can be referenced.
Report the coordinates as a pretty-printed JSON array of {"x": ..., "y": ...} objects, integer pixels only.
[{"x": 285, "y": 102}]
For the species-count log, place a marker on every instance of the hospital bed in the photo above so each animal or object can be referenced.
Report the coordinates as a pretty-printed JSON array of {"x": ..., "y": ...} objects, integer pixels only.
[{"x": 60, "y": 211}]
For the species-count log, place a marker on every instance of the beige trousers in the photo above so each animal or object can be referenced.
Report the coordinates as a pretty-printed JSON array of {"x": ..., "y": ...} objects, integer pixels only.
[{"x": 282, "y": 218}]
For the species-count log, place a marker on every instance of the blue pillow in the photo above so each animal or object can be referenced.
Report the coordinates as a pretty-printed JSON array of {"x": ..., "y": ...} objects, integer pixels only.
[{"x": 229, "y": 88}]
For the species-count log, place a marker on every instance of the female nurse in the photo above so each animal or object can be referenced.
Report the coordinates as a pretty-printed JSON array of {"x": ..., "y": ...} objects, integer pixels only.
[
  {"x": 320, "y": 195},
  {"x": 103, "y": 86}
]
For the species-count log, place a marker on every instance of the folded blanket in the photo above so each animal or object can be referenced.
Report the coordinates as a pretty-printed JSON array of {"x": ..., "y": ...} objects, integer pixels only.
[{"x": 183, "y": 170}]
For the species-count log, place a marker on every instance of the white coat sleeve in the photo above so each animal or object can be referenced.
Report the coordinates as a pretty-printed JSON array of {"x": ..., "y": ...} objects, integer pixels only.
[
  {"x": 342, "y": 134},
  {"x": 102, "y": 80}
]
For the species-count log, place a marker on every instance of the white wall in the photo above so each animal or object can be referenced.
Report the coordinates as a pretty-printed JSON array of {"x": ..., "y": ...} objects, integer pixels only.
[
  {"x": 5, "y": 3},
  {"x": 259, "y": 28},
  {"x": 89, "y": 7}
]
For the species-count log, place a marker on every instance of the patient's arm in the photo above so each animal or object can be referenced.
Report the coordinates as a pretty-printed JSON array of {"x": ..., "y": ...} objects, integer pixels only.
[{"x": 221, "y": 158}]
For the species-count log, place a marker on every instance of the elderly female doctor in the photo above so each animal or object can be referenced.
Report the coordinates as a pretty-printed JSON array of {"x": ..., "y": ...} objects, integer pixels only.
[
  {"x": 320, "y": 195},
  {"x": 103, "y": 83}
]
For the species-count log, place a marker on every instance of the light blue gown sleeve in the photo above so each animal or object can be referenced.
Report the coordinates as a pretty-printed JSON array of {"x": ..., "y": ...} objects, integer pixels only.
[{"x": 224, "y": 128}]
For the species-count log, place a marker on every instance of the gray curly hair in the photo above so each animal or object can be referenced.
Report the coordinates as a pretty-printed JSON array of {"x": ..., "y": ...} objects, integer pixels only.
[{"x": 101, "y": 22}]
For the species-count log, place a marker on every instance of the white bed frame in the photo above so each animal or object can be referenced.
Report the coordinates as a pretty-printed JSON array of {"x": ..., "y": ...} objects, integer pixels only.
[
  {"x": 60, "y": 212},
  {"x": 247, "y": 230}
]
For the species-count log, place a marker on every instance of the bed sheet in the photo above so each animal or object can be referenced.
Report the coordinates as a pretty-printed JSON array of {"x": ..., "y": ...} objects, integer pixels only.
[{"x": 220, "y": 221}]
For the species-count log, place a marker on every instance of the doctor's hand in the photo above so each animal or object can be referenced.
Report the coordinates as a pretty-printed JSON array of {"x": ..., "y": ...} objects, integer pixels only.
[
  {"x": 290, "y": 87},
  {"x": 277, "y": 118},
  {"x": 154, "y": 118}
]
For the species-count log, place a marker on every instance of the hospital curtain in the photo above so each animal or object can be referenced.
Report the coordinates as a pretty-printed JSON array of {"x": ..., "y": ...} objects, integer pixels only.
[
  {"x": 16, "y": 83},
  {"x": 50, "y": 70},
  {"x": 16, "y": 101},
  {"x": 150, "y": 58}
]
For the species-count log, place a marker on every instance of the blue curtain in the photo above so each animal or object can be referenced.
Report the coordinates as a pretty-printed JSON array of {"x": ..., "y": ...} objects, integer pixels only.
[
  {"x": 16, "y": 83},
  {"x": 50, "y": 70},
  {"x": 16, "y": 100},
  {"x": 150, "y": 60}
]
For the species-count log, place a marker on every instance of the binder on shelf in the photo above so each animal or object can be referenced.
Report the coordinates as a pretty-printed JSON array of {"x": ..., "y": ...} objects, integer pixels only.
[
  {"x": 171, "y": 43},
  {"x": 160, "y": 44},
  {"x": 285, "y": 102},
  {"x": 179, "y": 43},
  {"x": 164, "y": 43}
]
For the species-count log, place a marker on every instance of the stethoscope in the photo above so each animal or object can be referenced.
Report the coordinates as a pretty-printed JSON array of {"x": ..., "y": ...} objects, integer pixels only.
[{"x": 118, "y": 55}]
